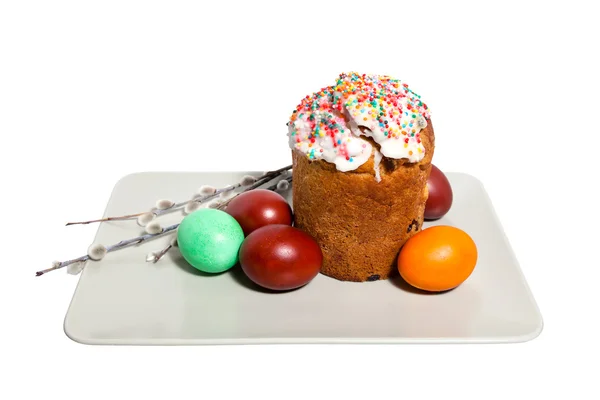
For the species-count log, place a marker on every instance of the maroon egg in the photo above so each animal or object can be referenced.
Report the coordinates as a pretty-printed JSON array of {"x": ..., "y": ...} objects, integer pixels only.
[
  {"x": 280, "y": 257},
  {"x": 259, "y": 207},
  {"x": 440, "y": 194}
]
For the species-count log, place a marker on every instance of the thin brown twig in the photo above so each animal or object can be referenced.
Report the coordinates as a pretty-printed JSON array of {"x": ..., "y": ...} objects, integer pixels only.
[
  {"x": 105, "y": 219},
  {"x": 162, "y": 253}
]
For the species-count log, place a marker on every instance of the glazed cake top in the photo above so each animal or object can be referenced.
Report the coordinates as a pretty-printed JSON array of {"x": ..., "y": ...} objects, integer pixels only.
[{"x": 330, "y": 124}]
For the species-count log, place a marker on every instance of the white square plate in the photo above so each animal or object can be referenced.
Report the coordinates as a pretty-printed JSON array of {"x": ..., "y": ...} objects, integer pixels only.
[{"x": 125, "y": 300}]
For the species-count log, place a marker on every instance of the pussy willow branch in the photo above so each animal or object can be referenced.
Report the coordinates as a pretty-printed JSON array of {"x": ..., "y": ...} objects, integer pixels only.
[
  {"x": 222, "y": 206},
  {"x": 143, "y": 238},
  {"x": 199, "y": 199},
  {"x": 109, "y": 249},
  {"x": 255, "y": 185}
]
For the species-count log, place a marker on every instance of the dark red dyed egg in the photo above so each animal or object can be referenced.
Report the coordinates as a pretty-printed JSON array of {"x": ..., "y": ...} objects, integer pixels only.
[
  {"x": 280, "y": 257},
  {"x": 259, "y": 207},
  {"x": 440, "y": 195}
]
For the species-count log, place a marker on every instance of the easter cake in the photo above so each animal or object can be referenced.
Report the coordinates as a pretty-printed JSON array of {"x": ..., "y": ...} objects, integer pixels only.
[{"x": 362, "y": 152}]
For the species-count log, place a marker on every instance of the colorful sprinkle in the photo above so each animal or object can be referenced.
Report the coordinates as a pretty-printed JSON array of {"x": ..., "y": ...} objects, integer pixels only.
[{"x": 385, "y": 106}]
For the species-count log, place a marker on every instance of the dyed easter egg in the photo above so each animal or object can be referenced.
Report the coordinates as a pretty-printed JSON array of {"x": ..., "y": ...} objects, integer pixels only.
[
  {"x": 440, "y": 194},
  {"x": 438, "y": 258},
  {"x": 259, "y": 207},
  {"x": 209, "y": 240},
  {"x": 280, "y": 257}
]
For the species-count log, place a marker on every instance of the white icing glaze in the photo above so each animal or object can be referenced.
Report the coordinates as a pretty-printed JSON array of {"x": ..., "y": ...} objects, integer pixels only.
[
  {"x": 345, "y": 150},
  {"x": 327, "y": 125}
]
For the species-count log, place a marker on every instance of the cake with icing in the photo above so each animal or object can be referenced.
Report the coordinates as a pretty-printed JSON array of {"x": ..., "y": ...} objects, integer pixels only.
[{"x": 361, "y": 151}]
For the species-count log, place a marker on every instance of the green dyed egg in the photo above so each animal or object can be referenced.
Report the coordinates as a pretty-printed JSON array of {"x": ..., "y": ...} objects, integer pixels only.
[{"x": 209, "y": 240}]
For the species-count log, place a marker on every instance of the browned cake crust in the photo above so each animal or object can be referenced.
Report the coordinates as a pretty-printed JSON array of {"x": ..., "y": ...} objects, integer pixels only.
[{"x": 360, "y": 223}]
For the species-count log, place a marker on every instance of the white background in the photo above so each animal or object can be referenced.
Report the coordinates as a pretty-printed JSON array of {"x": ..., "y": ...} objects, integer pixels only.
[{"x": 92, "y": 91}]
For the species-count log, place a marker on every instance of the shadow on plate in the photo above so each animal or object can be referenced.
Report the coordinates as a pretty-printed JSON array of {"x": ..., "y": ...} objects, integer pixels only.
[
  {"x": 238, "y": 275},
  {"x": 177, "y": 259}
]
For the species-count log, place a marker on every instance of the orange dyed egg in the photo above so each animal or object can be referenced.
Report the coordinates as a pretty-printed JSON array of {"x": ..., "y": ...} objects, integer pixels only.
[{"x": 438, "y": 258}]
